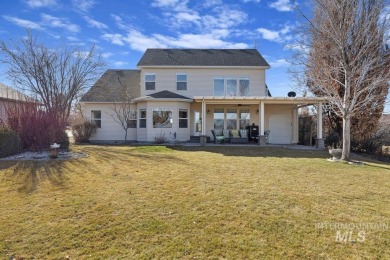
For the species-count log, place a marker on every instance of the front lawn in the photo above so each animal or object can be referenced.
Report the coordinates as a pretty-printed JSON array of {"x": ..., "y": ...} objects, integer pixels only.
[{"x": 211, "y": 202}]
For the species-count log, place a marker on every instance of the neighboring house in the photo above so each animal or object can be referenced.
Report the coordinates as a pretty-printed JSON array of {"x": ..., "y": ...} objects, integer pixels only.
[
  {"x": 9, "y": 97},
  {"x": 189, "y": 92}
]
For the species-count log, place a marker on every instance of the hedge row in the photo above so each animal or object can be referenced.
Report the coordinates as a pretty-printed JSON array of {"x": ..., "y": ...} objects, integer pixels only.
[{"x": 10, "y": 143}]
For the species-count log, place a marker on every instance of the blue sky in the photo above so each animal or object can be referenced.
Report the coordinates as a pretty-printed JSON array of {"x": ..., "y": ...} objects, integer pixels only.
[{"x": 122, "y": 29}]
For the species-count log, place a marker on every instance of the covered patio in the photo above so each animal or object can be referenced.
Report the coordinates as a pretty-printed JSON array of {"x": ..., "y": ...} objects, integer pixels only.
[{"x": 276, "y": 115}]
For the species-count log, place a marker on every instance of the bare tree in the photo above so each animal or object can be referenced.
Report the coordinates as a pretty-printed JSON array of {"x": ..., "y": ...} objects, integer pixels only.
[
  {"x": 346, "y": 58},
  {"x": 122, "y": 112},
  {"x": 54, "y": 76}
]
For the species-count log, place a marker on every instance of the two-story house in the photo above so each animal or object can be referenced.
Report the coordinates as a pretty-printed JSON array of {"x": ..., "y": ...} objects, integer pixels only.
[{"x": 189, "y": 92}]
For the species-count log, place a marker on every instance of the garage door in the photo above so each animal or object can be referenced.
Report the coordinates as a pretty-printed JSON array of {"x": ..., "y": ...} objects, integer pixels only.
[{"x": 281, "y": 129}]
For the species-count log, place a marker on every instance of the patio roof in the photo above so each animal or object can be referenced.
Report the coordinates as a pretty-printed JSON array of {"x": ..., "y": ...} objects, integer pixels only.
[{"x": 258, "y": 100}]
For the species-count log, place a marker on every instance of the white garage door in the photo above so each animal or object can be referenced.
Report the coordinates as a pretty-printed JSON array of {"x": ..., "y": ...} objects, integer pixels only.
[{"x": 281, "y": 129}]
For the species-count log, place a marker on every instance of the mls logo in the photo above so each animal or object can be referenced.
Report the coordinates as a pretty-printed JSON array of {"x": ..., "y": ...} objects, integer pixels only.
[{"x": 349, "y": 236}]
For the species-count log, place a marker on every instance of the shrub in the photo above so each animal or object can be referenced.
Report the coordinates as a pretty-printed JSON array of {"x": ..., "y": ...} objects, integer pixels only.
[
  {"x": 36, "y": 127},
  {"x": 9, "y": 142},
  {"x": 83, "y": 132},
  {"x": 332, "y": 140},
  {"x": 160, "y": 138}
]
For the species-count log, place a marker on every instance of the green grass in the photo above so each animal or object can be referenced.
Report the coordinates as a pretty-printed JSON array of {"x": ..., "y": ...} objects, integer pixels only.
[{"x": 211, "y": 202}]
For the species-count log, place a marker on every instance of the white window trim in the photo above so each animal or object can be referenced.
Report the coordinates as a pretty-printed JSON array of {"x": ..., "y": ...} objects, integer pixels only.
[
  {"x": 142, "y": 118},
  {"x": 186, "y": 81},
  {"x": 150, "y": 74},
  {"x": 187, "y": 118},
  {"x": 93, "y": 119}
]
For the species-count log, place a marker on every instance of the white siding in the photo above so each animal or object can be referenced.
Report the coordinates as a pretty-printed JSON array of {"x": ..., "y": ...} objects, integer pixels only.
[
  {"x": 200, "y": 82},
  {"x": 110, "y": 130}
]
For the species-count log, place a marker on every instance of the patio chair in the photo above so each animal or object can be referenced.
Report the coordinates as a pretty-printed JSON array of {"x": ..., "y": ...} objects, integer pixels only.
[
  {"x": 218, "y": 137},
  {"x": 234, "y": 134},
  {"x": 244, "y": 133},
  {"x": 226, "y": 134}
]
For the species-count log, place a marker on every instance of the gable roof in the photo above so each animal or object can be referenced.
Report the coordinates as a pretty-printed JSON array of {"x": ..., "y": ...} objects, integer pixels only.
[
  {"x": 167, "y": 94},
  {"x": 202, "y": 57},
  {"x": 110, "y": 86},
  {"x": 7, "y": 93}
]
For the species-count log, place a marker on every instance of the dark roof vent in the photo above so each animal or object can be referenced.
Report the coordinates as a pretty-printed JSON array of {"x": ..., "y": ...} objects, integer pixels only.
[{"x": 291, "y": 94}]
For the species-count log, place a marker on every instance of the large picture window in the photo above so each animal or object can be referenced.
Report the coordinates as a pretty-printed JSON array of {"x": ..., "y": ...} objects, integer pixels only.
[
  {"x": 150, "y": 81},
  {"x": 142, "y": 118},
  {"x": 183, "y": 118},
  {"x": 162, "y": 118},
  {"x": 96, "y": 118},
  {"x": 245, "y": 117},
  {"x": 132, "y": 121},
  {"x": 231, "y": 119},
  {"x": 219, "y": 118},
  {"x": 181, "y": 81}
]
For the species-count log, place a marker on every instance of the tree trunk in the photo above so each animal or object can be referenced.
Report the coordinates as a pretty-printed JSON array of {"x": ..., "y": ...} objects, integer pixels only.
[
  {"x": 346, "y": 138},
  {"x": 125, "y": 135}
]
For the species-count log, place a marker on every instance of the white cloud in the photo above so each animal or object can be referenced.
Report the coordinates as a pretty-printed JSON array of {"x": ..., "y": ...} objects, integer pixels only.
[
  {"x": 282, "y": 5},
  {"x": 41, "y": 3},
  {"x": 83, "y": 5},
  {"x": 94, "y": 23},
  {"x": 281, "y": 35},
  {"x": 119, "y": 63},
  {"x": 279, "y": 63},
  {"x": 57, "y": 22},
  {"x": 22, "y": 22},
  {"x": 107, "y": 54},
  {"x": 115, "y": 38},
  {"x": 73, "y": 38},
  {"x": 211, "y": 3}
]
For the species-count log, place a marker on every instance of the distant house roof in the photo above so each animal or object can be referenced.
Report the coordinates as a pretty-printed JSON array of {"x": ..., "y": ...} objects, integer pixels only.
[
  {"x": 110, "y": 86},
  {"x": 167, "y": 94},
  {"x": 7, "y": 93},
  {"x": 202, "y": 57}
]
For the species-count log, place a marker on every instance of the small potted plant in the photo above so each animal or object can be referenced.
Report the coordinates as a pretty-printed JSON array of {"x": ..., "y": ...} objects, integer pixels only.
[{"x": 54, "y": 150}]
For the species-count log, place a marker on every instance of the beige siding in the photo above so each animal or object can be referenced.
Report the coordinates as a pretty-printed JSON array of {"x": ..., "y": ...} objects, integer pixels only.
[
  {"x": 110, "y": 130},
  {"x": 200, "y": 82},
  {"x": 182, "y": 134}
]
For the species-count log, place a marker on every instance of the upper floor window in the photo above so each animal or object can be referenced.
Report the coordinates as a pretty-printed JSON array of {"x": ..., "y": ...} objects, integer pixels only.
[
  {"x": 219, "y": 87},
  {"x": 96, "y": 118},
  {"x": 181, "y": 81},
  {"x": 231, "y": 86},
  {"x": 150, "y": 81}
]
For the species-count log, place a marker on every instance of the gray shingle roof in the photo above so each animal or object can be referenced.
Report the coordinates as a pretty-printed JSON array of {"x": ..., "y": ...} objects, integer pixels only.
[
  {"x": 202, "y": 57},
  {"x": 167, "y": 94},
  {"x": 110, "y": 86}
]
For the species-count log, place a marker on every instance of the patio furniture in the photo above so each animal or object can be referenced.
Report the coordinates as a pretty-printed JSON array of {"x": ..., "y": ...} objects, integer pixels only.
[
  {"x": 239, "y": 137},
  {"x": 218, "y": 137},
  {"x": 226, "y": 134}
]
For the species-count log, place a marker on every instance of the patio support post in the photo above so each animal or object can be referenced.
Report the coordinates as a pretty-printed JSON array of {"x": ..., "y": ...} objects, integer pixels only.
[
  {"x": 320, "y": 140},
  {"x": 262, "y": 138},
  {"x": 203, "y": 137}
]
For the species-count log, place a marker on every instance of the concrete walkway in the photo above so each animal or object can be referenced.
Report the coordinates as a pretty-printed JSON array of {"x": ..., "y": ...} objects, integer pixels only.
[{"x": 285, "y": 146}]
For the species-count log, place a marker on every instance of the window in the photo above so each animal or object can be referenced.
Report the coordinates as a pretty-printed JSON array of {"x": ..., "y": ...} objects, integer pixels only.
[
  {"x": 150, "y": 81},
  {"x": 142, "y": 118},
  {"x": 183, "y": 118},
  {"x": 219, "y": 87},
  {"x": 243, "y": 87},
  {"x": 162, "y": 118},
  {"x": 219, "y": 118},
  {"x": 231, "y": 85},
  {"x": 96, "y": 118},
  {"x": 231, "y": 119},
  {"x": 245, "y": 117},
  {"x": 181, "y": 81},
  {"x": 132, "y": 121}
]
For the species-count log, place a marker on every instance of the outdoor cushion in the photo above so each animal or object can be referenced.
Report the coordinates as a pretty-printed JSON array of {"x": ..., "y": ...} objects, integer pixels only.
[
  {"x": 218, "y": 132},
  {"x": 226, "y": 134},
  {"x": 235, "y": 134},
  {"x": 244, "y": 133}
]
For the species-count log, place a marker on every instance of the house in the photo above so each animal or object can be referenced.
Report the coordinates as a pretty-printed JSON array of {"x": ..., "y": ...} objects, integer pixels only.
[
  {"x": 9, "y": 97},
  {"x": 189, "y": 92}
]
